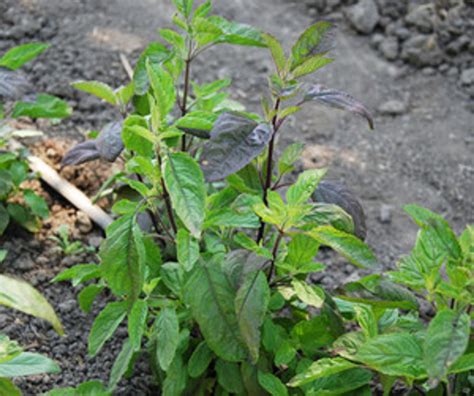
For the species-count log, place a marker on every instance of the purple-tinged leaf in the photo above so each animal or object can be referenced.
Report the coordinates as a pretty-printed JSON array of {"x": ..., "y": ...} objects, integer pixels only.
[
  {"x": 337, "y": 99},
  {"x": 316, "y": 40},
  {"x": 109, "y": 143},
  {"x": 333, "y": 192},
  {"x": 80, "y": 153},
  {"x": 13, "y": 84},
  {"x": 234, "y": 142},
  {"x": 107, "y": 146}
]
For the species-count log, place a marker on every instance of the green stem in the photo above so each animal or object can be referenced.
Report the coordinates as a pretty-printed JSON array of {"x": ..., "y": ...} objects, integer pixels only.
[
  {"x": 274, "y": 255},
  {"x": 187, "y": 73}
]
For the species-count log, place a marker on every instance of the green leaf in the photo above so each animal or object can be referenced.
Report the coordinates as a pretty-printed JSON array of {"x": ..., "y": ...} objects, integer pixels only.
[
  {"x": 285, "y": 354},
  {"x": 313, "y": 334},
  {"x": 155, "y": 54},
  {"x": 123, "y": 256},
  {"x": 251, "y": 303},
  {"x": 8, "y": 388},
  {"x": 272, "y": 384},
  {"x": 311, "y": 65},
  {"x": 3, "y": 255},
  {"x": 229, "y": 377},
  {"x": 18, "y": 56},
  {"x": 185, "y": 183},
  {"x": 163, "y": 89},
  {"x": 310, "y": 43},
  {"x": 397, "y": 354},
  {"x": 167, "y": 337},
  {"x": 211, "y": 298},
  {"x": 37, "y": 204},
  {"x": 187, "y": 249},
  {"x": 79, "y": 273},
  {"x": 23, "y": 217},
  {"x": 301, "y": 250},
  {"x": 464, "y": 363},
  {"x": 87, "y": 296},
  {"x": 304, "y": 187},
  {"x": 121, "y": 364},
  {"x": 176, "y": 377},
  {"x": 137, "y": 323},
  {"x": 184, "y": 6},
  {"x": 105, "y": 324},
  {"x": 237, "y": 33},
  {"x": 353, "y": 249},
  {"x": 321, "y": 214},
  {"x": 98, "y": 89},
  {"x": 27, "y": 363},
  {"x": 442, "y": 232},
  {"x": 20, "y": 295},
  {"x": 4, "y": 218},
  {"x": 277, "y": 51},
  {"x": 379, "y": 292},
  {"x": 289, "y": 156},
  {"x": 446, "y": 341},
  {"x": 199, "y": 360},
  {"x": 366, "y": 318},
  {"x": 321, "y": 368},
  {"x": 309, "y": 294},
  {"x": 45, "y": 106},
  {"x": 343, "y": 383}
]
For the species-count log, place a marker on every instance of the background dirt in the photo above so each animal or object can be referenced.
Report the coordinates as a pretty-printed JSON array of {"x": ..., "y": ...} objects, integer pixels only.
[{"x": 422, "y": 154}]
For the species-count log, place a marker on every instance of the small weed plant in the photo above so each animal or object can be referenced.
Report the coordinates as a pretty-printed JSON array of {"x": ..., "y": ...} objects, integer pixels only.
[{"x": 215, "y": 290}]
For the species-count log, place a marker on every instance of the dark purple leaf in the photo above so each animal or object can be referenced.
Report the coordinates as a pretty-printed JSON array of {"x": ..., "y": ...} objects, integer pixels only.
[
  {"x": 107, "y": 146},
  {"x": 109, "y": 143},
  {"x": 338, "y": 99},
  {"x": 13, "y": 84},
  {"x": 234, "y": 142},
  {"x": 332, "y": 192},
  {"x": 80, "y": 153}
]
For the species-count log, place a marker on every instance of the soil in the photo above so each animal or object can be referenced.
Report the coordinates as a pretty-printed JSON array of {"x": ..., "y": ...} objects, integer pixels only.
[{"x": 420, "y": 152}]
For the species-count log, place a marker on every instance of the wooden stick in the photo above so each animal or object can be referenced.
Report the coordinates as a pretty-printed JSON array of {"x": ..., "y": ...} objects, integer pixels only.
[
  {"x": 66, "y": 189},
  {"x": 126, "y": 65}
]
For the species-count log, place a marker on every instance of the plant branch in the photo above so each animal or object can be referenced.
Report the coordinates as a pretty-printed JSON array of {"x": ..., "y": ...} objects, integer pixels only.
[
  {"x": 166, "y": 197},
  {"x": 187, "y": 73},
  {"x": 274, "y": 255},
  {"x": 268, "y": 180}
]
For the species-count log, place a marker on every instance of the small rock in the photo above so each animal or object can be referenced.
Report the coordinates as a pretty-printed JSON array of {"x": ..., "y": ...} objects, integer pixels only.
[
  {"x": 392, "y": 8},
  {"x": 459, "y": 45},
  {"x": 389, "y": 48},
  {"x": 4, "y": 319},
  {"x": 95, "y": 241},
  {"x": 467, "y": 77},
  {"x": 331, "y": 4},
  {"x": 24, "y": 263},
  {"x": 67, "y": 306},
  {"x": 377, "y": 39},
  {"x": 402, "y": 33},
  {"x": 453, "y": 71},
  {"x": 422, "y": 17},
  {"x": 422, "y": 50},
  {"x": 429, "y": 71},
  {"x": 385, "y": 215},
  {"x": 83, "y": 223},
  {"x": 363, "y": 16},
  {"x": 393, "y": 108}
]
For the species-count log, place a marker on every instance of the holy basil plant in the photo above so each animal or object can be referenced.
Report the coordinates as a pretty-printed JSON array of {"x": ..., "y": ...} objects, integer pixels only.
[
  {"x": 18, "y": 99},
  {"x": 214, "y": 286}
]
